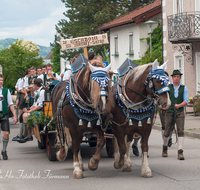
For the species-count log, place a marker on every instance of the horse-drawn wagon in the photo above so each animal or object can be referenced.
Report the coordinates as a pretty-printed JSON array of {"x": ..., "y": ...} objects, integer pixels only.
[{"x": 47, "y": 136}]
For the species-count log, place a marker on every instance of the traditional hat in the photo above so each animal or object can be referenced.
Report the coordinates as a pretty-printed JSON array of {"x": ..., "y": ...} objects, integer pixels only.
[{"x": 176, "y": 72}]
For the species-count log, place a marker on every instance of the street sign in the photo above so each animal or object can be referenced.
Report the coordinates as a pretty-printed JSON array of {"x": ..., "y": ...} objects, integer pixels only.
[
  {"x": 84, "y": 41},
  {"x": 105, "y": 63}
]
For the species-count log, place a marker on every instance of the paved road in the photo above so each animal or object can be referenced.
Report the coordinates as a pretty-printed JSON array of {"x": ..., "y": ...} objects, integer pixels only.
[{"x": 168, "y": 173}]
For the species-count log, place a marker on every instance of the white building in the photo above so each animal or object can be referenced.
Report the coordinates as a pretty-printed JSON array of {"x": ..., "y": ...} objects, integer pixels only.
[{"x": 126, "y": 33}]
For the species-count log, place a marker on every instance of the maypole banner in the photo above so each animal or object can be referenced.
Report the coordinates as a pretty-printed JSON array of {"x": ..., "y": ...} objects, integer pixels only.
[{"x": 84, "y": 41}]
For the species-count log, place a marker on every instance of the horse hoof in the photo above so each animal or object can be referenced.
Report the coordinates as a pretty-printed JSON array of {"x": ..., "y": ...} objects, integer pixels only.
[
  {"x": 78, "y": 175},
  {"x": 92, "y": 165},
  {"x": 81, "y": 167},
  {"x": 126, "y": 169},
  {"x": 147, "y": 175},
  {"x": 116, "y": 166}
]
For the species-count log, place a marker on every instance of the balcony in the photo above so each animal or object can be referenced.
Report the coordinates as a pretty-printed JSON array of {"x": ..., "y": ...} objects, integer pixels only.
[{"x": 184, "y": 27}]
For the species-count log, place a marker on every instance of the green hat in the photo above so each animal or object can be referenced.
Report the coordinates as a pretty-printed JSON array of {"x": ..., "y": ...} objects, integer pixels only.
[{"x": 176, "y": 72}]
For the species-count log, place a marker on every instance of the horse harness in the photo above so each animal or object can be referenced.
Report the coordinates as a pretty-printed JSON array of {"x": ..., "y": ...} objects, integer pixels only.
[{"x": 140, "y": 110}]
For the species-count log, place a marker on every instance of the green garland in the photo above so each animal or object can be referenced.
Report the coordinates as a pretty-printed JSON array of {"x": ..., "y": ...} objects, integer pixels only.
[{"x": 39, "y": 118}]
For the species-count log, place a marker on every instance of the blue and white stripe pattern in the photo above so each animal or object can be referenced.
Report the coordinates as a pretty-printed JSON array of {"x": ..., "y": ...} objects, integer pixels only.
[
  {"x": 100, "y": 77},
  {"x": 160, "y": 74}
]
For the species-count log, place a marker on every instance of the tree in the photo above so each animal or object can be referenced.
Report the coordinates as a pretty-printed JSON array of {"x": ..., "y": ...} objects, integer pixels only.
[
  {"x": 18, "y": 57},
  {"x": 84, "y": 17},
  {"x": 156, "y": 47}
]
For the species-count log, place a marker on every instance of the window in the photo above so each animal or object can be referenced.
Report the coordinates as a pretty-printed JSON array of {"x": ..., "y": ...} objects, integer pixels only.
[
  {"x": 177, "y": 6},
  {"x": 179, "y": 64},
  {"x": 116, "y": 45},
  {"x": 130, "y": 43}
]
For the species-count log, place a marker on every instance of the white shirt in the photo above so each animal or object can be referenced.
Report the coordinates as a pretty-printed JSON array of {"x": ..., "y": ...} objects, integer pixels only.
[
  {"x": 17, "y": 84},
  {"x": 9, "y": 99},
  {"x": 40, "y": 100},
  {"x": 21, "y": 84},
  {"x": 67, "y": 75},
  {"x": 41, "y": 77},
  {"x": 26, "y": 82}
]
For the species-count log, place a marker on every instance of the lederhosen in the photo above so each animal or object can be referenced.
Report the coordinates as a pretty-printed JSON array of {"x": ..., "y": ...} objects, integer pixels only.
[
  {"x": 180, "y": 116},
  {"x": 4, "y": 113}
]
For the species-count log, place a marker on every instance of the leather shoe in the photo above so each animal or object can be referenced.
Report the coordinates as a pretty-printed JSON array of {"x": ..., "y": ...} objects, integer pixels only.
[
  {"x": 135, "y": 150},
  {"x": 4, "y": 154},
  {"x": 15, "y": 138},
  {"x": 28, "y": 138},
  {"x": 21, "y": 140}
]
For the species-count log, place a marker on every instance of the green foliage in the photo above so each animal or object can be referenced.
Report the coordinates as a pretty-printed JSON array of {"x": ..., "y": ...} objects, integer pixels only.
[
  {"x": 156, "y": 47},
  {"x": 197, "y": 102},
  {"x": 39, "y": 118},
  {"x": 83, "y": 18},
  {"x": 15, "y": 60},
  {"x": 35, "y": 118},
  {"x": 5, "y": 43},
  {"x": 55, "y": 59}
]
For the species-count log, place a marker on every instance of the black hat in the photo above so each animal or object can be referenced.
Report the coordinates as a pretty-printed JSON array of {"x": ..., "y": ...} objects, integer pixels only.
[{"x": 176, "y": 72}]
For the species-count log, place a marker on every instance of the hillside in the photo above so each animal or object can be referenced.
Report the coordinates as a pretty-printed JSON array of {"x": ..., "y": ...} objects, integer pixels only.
[{"x": 8, "y": 41}]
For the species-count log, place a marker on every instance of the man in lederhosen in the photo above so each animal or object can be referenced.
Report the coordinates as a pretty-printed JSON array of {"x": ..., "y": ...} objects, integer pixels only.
[
  {"x": 175, "y": 114},
  {"x": 5, "y": 102},
  {"x": 50, "y": 76},
  {"x": 37, "y": 106}
]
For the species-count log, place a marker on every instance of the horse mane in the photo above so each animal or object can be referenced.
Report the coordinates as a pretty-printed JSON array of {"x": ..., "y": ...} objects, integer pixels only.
[
  {"x": 138, "y": 71},
  {"x": 95, "y": 63}
]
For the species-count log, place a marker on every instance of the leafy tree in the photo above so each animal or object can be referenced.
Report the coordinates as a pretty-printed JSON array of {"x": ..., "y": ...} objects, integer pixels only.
[
  {"x": 84, "y": 17},
  {"x": 18, "y": 57},
  {"x": 156, "y": 38}
]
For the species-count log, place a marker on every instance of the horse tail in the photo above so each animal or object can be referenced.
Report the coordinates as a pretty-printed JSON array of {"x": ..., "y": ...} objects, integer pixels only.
[{"x": 62, "y": 153}]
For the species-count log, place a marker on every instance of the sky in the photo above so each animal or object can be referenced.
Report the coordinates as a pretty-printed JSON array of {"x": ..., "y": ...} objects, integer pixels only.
[{"x": 33, "y": 20}]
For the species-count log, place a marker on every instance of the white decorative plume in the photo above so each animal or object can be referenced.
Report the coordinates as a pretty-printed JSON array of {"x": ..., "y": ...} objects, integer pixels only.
[
  {"x": 93, "y": 68},
  {"x": 163, "y": 65}
]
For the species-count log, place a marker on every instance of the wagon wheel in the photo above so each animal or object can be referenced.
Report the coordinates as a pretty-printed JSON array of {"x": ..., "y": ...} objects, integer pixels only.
[
  {"x": 93, "y": 142},
  {"x": 50, "y": 146},
  {"x": 110, "y": 147},
  {"x": 42, "y": 144}
]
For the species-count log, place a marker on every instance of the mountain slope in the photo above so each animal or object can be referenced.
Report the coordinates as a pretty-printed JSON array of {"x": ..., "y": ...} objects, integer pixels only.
[{"x": 8, "y": 41}]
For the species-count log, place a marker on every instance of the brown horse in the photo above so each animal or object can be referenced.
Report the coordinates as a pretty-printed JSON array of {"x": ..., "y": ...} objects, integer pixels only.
[
  {"x": 142, "y": 84},
  {"x": 90, "y": 92}
]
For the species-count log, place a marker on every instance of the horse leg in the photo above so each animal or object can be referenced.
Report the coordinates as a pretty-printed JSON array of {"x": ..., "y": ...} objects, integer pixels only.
[
  {"x": 120, "y": 150},
  {"x": 146, "y": 171},
  {"x": 69, "y": 142},
  {"x": 127, "y": 160},
  {"x": 76, "y": 141},
  {"x": 94, "y": 161}
]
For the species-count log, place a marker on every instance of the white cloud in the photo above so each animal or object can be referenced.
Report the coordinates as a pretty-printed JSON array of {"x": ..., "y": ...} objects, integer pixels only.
[{"x": 29, "y": 21}]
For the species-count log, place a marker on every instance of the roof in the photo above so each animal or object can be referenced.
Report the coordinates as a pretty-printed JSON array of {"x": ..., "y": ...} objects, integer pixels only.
[
  {"x": 138, "y": 15},
  {"x": 49, "y": 55}
]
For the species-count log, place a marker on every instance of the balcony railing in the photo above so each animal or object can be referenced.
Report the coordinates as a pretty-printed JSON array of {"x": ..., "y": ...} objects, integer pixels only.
[{"x": 184, "y": 27}]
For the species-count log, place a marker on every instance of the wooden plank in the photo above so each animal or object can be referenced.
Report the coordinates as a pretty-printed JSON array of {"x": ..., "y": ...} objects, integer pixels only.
[
  {"x": 36, "y": 132},
  {"x": 85, "y": 52}
]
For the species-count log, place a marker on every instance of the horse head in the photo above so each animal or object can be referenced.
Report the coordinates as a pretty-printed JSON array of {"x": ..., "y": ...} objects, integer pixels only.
[
  {"x": 157, "y": 84},
  {"x": 100, "y": 86}
]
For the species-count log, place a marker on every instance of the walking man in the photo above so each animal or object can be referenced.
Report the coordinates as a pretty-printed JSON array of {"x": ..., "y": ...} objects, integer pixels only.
[
  {"x": 175, "y": 114},
  {"x": 5, "y": 102}
]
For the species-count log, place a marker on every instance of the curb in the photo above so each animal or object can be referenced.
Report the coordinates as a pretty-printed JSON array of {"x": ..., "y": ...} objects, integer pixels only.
[{"x": 186, "y": 133}]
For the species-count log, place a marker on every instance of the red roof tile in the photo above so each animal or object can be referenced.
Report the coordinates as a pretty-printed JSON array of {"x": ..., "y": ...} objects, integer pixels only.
[{"x": 129, "y": 17}]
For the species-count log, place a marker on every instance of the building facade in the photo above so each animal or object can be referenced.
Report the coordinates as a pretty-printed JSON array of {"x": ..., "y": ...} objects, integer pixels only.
[
  {"x": 181, "y": 40},
  {"x": 126, "y": 32}
]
